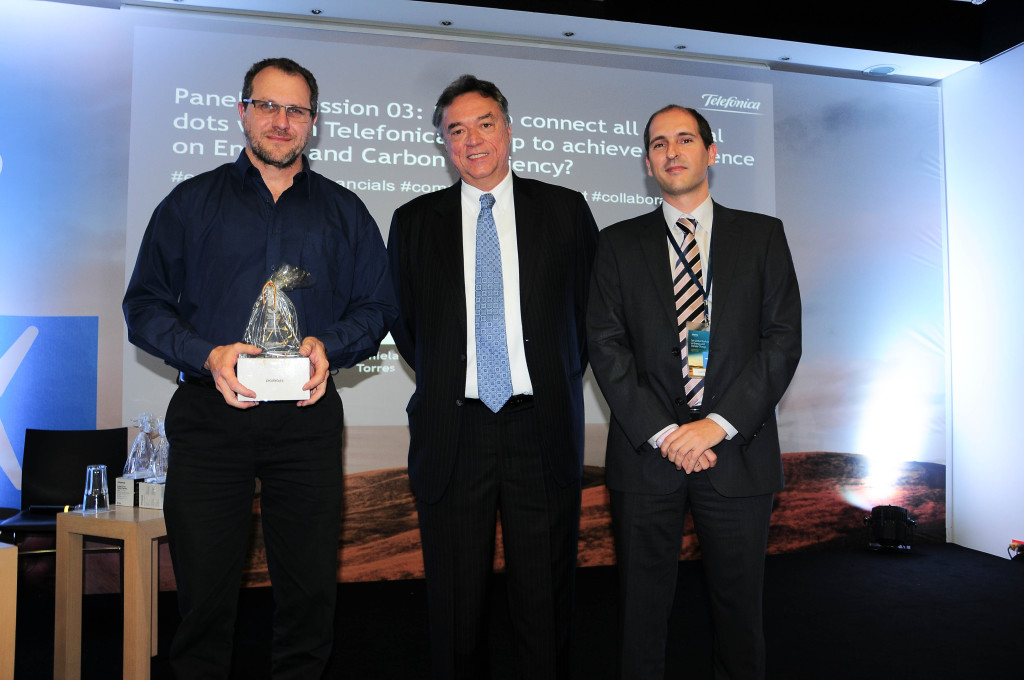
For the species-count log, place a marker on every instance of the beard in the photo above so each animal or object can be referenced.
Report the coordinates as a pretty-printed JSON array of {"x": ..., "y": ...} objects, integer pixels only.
[{"x": 266, "y": 155}]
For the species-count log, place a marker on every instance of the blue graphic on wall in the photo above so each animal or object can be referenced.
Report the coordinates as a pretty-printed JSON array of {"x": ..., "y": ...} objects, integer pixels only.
[{"x": 47, "y": 381}]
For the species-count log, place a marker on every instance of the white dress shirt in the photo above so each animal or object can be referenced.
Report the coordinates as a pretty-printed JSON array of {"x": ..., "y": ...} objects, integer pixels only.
[
  {"x": 505, "y": 220},
  {"x": 704, "y": 215}
]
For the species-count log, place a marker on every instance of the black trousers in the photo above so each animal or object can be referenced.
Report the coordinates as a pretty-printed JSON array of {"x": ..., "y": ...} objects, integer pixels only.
[
  {"x": 733, "y": 535},
  {"x": 501, "y": 467},
  {"x": 216, "y": 454}
]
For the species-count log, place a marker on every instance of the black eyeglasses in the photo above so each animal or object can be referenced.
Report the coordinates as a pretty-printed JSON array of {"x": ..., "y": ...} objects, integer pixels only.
[{"x": 299, "y": 114}]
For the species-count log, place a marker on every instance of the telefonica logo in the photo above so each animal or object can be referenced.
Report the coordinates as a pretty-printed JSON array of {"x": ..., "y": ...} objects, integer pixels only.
[
  {"x": 9, "y": 364},
  {"x": 723, "y": 103},
  {"x": 27, "y": 347}
]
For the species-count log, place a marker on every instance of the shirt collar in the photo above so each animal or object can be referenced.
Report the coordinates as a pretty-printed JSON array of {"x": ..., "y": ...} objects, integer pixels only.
[
  {"x": 501, "y": 193},
  {"x": 703, "y": 213},
  {"x": 244, "y": 167}
]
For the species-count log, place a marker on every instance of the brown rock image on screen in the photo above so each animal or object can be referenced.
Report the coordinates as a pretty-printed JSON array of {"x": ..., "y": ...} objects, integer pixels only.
[{"x": 380, "y": 537}]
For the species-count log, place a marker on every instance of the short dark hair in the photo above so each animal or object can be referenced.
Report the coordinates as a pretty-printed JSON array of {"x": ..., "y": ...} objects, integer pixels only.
[
  {"x": 702, "y": 126},
  {"x": 465, "y": 84},
  {"x": 290, "y": 67}
]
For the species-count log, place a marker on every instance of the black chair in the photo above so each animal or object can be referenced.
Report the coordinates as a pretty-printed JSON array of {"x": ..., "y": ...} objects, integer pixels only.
[{"x": 53, "y": 475}]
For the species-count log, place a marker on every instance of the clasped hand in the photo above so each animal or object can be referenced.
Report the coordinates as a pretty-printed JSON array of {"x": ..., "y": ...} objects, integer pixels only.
[{"x": 688, "y": 447}]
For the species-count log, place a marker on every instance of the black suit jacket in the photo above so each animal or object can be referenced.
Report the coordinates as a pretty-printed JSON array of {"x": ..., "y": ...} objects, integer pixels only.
[
  {"x": 557, "y": 238},
  {"x": 635, "y": 354}
]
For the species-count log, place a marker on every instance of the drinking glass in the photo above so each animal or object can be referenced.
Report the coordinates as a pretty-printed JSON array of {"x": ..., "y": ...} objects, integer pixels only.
[{"x": 97, "y": 496}]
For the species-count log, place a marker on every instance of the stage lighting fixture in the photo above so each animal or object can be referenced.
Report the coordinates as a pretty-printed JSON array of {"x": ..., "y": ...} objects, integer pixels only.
[{"x": 890, "y": 527}]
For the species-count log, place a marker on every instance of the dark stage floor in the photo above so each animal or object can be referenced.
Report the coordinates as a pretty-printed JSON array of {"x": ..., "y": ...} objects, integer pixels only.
[{"x": 940, "y": 611}]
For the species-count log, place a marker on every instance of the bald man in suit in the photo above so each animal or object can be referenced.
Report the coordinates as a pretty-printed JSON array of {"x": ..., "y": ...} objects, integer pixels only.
[
  {"x": 496, "y": 421},
  {"x": 685, "y": 439}
]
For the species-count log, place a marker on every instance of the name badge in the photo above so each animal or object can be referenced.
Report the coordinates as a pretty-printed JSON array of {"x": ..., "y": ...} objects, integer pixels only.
[{"x": 698, "y": 341}]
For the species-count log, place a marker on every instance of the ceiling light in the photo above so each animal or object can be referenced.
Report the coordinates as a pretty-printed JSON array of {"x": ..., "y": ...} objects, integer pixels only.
[{"x": 880, "y": 70}]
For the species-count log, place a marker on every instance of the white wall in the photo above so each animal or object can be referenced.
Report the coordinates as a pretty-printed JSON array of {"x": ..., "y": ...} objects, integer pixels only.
[{"x": 984, "y": 146}]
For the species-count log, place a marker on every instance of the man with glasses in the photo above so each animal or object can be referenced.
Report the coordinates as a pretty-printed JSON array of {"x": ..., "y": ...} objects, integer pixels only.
[{"x": 209, "y": 248}]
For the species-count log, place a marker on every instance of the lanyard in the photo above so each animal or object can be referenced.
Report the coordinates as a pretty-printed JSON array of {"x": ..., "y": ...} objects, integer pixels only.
[{"x": 705, "y": 293}]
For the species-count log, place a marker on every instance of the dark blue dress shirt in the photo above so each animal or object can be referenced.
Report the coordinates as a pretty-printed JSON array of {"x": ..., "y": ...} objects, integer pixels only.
[{"x": 213, "y": 243}]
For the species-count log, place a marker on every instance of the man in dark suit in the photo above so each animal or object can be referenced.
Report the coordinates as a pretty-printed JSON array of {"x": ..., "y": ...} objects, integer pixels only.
[
  {"x": 689, "y": 273},
  {"x": 492, "y": 277}
]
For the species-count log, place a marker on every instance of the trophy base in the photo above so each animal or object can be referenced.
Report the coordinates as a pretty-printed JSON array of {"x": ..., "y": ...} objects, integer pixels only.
[{"x": 274, "y": 378}]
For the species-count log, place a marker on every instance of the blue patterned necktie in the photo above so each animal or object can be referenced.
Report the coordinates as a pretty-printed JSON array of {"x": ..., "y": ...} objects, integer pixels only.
[{"x": 493, "y": 375}]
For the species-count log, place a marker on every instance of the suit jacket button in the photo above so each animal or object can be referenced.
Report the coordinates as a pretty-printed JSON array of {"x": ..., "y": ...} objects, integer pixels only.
[
  {"x": 680, "y": 401},
  {"x": 676, "y": 351},
  {"x": 462, "y": 357},
  {"x": 460, "y": 402}
]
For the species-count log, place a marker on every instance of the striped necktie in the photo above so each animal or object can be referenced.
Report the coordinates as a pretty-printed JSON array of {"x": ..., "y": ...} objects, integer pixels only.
[{"x": 690, "y": 309}]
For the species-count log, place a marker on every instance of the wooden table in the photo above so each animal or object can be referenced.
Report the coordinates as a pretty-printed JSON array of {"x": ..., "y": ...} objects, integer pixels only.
[
  {"x": 139, "y": 529},
  {"x": 8, "y": 608}
]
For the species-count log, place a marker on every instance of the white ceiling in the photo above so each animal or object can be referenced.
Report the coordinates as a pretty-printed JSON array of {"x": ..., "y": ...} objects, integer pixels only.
[{"x": 530, "y": 27}]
